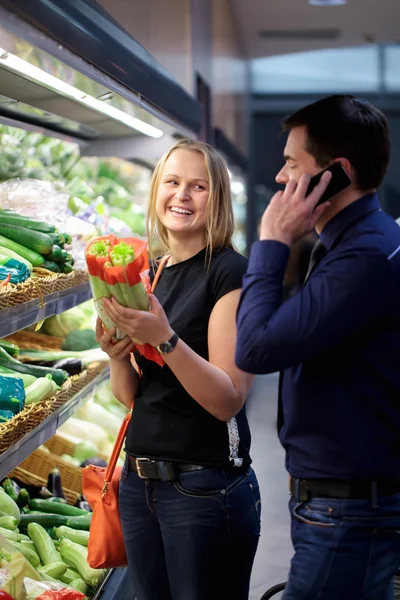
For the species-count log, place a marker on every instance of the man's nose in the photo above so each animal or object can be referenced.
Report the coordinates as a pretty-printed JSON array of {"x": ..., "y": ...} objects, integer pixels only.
[{"x": 282, "y": 177}]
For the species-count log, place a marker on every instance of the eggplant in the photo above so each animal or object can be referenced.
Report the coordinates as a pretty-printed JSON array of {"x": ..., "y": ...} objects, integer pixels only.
[
  {"x": 45, "y": 493},
  {"x": 73, "y": 366},
  {"x": 54, "y": 483}
]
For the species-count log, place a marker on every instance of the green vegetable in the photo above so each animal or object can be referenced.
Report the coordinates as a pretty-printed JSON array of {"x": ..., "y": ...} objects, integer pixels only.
[
  {"x": 136, "y": 296},
  {"x": 72, "y": 461},
  {"x": 87, "y": 356},
  {"x": 23, "y": 498},
  {"x": 69, "y": 576},
  {"x": 80, "y": 340},
  {"x": 67, "y": 267},
  {"x": 8, "y": 508},
  {"x": 61, "y": 325},
  {"x": 50, "y": 265},
  {"x": 76, "y": 557},
  {"x": 7, "y": 361},
  {"x": 80, "y": 585},
  {"x": 46, "y": 520},
  {"x": 68, "y": 238},
  {"x": 10, "y": 218},
  {"x": 28, "y": 553},
  {"x": 55, "y": 569},
  {"x": 56, "y": 254},
  {"x": 34, "y": 258},
  {"x": 44, "y": 544},
  {"x": 56, "y": 508},
  {"x": 80, "y": 523},
  {"x": 57, "y": 238},
  {"x": 84, "y": 450},
  {"x": 6, "y": 252},
  {"x": 9, "y": 487},
  {"x": 33, "y": 240},
  {"x": 27, "y": 379},
  {"x": 11, "y": 535},
  {"x": 40, "y": 390},
  {"x": 10, "y": 348},
  {"x": 10, "y": 523},
  {"x": 79, "y": 537}
]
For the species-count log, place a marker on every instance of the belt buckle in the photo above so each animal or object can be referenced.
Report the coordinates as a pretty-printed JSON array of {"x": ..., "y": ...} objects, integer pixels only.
[{"x": 138, "y": 468}]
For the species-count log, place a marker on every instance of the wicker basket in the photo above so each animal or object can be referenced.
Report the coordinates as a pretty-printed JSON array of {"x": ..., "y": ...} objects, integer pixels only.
[
  {"x": 29, "y": 478},
  {"x": 41, "y": 462},
  {"x": 59, "y": 445},
  {"x": 29, "y": 418}
]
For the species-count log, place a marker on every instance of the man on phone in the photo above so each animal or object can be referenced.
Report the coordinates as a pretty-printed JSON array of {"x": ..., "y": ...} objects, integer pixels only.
[{"x": 336, "y": 344}]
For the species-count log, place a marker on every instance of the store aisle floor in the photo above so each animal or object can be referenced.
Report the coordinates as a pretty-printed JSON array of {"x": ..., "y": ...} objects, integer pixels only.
[{"x": 275, "y": 550}]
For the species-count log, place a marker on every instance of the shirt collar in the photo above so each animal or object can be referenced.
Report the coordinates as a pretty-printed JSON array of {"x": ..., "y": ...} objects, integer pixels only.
[{"x": 347, "y": 217}]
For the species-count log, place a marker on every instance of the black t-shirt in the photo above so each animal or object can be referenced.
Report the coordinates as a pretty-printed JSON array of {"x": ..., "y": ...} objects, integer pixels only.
[{"x": 167, "y": 423}]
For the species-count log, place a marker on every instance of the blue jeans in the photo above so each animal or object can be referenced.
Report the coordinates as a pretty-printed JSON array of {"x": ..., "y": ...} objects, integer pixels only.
[
  {"x": 192, "y": 539},
  {"x": 344, "y": 549}
]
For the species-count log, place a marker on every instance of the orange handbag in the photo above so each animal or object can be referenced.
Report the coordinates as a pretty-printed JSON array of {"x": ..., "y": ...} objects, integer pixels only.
[{"x": 100, "y": 486}]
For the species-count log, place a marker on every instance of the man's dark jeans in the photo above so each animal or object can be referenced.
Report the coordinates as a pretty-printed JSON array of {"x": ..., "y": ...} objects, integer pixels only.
[
  {"x": 192, "y": 539},
  {"x": 344, "y": 549}
]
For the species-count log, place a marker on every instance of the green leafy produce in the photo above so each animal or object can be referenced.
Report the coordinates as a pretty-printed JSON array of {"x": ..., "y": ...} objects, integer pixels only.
[
  {"x": 61, "y": 325},
  {"x": 80, "y": 340}
]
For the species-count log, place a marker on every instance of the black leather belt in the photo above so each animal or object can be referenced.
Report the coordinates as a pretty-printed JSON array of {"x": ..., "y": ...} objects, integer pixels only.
[
  {"x": 305, "y": 489},
  {"x": 159, "y": 469}
]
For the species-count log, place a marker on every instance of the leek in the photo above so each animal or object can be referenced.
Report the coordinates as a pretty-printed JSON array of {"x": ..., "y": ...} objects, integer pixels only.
[{"x": 86, "y": 356}]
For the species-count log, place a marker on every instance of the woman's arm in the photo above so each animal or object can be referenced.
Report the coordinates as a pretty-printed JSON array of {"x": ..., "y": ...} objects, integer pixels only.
[
  {"x": 217, "y": 384},
  {"x": 124, "y": 381}
]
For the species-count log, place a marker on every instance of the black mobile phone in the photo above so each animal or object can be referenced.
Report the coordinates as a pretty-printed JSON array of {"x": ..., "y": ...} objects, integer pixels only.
[{"x": 339, "y": 182}]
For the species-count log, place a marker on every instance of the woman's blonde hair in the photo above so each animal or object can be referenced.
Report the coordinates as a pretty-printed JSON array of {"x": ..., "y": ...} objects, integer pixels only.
[{"x": 220, "y": 222}]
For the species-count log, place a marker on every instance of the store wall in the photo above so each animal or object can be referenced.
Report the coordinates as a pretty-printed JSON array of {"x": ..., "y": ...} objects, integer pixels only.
[{"x": 230, "y": 76}]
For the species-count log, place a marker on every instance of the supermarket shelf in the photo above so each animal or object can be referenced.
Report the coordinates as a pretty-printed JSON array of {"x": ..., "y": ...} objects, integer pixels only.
[
  {"x": 12, "y": 457},
  {"x": 23, "y": 315}
]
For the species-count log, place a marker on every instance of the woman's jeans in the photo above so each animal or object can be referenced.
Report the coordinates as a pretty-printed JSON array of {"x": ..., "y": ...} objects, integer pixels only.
[
  {"x": 344, "y": 549},
  {"x": 191, "y": 539}
]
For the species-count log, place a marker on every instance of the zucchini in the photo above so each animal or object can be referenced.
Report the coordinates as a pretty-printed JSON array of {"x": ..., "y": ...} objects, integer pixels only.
[
  {"x": 11, "y": 523},
  {"x": 10, "y": 535},
  {"x": 58, "y": 375},
  {"x": 56, "y": 508},
  {"x": 34, "y": 258},
  {"x": 56, "y": 499},
  {"x": 55, "y": 569},
  {"x": 57, "y": 238},
  {"x": 44, "y": 544},
  {"x": 67, "y": 238},
  {"x": 67, "y": 267},
  {"x": 34, "y": 240},
  {"x": 76, "y": 557},
  {"x": 27, "y": 379},
  {"x": 79, "y": 585},
  {"x": 80, "y": 523},
  {"x": 11, "y": 488},
  {"x": 46, "y": 520},
  {"x": 79, "y": 537},
  {"x": 10, "y": 218},
  {"x": 6, "y": 252},
  {"x": 40, "y": 390},
  {"x": 8, "y": 508},
  {"x": 23, "y": 498},
  {"x": 69, "y": 576},
  {"x": 56, "y": 253},
  {"x": 28, "y": 553},
  {"x": 50, "y": 265},
  {"x": 10, "y": 348}
]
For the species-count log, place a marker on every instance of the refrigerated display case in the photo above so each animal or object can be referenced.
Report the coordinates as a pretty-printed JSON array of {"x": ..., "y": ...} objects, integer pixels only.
[{"x": 68, "y": 71}]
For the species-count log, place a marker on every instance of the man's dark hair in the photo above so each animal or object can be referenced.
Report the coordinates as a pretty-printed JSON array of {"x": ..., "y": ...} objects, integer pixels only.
[{"x": 348, "y": 127}]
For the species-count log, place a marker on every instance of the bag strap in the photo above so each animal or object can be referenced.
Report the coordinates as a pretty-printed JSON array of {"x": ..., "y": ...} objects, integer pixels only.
[{"x": 125, "y": 423}]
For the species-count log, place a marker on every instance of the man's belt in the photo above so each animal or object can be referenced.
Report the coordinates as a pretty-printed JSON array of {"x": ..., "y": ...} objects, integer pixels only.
[{"x": 305, "y": 489}]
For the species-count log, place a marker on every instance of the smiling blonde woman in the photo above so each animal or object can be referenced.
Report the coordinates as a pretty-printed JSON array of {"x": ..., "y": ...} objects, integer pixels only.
[{"x": 189, "y": 500}]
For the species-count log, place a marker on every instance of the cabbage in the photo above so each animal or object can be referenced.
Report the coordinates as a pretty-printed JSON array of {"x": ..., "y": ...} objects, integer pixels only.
[
  {"x": 85, "y": 450},
  {"x": 61, "y": 325},
  {"x": 85, "y": 431},
  {"x": 95, "y": 413}
]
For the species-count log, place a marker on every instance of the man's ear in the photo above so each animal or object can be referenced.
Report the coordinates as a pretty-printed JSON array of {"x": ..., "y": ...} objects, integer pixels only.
[{"x": 346, "y": 165}]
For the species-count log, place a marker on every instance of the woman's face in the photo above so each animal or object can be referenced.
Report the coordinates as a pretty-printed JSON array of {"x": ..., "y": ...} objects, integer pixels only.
[{"x": 183, "y": 193}]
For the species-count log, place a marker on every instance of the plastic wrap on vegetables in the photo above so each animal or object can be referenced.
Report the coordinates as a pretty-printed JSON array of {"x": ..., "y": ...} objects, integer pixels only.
[
  {"x": 12, "y": 394},
  {"x": 12, "y": 270},
  {"x": 119, "y": 268}
]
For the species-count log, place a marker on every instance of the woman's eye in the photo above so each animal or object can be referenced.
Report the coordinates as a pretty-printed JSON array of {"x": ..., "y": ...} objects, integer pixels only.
[
  {"x": 172, "y": 182},
  {"x": 199, "y": 187}
]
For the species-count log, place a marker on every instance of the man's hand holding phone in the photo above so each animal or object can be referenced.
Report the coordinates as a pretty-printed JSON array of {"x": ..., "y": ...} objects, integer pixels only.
[{"x": 291, "y": 213}]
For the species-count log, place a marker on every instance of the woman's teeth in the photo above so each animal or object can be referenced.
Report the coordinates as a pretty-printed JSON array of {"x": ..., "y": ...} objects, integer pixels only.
[{"x": 180, "y": 211}]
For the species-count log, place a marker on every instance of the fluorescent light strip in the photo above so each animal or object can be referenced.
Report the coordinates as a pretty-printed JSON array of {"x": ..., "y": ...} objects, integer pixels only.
[{"x": 17, "y": 65}]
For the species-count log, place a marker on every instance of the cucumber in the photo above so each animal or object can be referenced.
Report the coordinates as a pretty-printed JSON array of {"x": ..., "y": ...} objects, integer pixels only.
[
  {"x": 34, "y": 258},
  {"x": 11, "y": 523},
  {"x": 44, "y": 544},
  {"x": 58, "y": 375},
  {"x": 6, "y": 252},
  {"x": 79, "y": 537},
  {"x": 45, "y": 520},
  {"x": 34, "y": 240},
  {"x": 69, "y": 576},
  {"x": 80, "y": 523},
  {"x": 56, "y": 254},
  {"x": 55, "y": 569},
  {"x": 57, "y": 238},
  {"x": 10, "y": 218},
  {"x": 28, "y": 553},
  {"x": 56, "y": 508},
  {"x": 50, "y": 265}
]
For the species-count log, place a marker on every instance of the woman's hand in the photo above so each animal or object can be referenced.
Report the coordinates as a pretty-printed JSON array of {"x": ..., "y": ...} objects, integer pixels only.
[
  {"x": 117, "y": 351},
  {"x": 150, "y": 327}
]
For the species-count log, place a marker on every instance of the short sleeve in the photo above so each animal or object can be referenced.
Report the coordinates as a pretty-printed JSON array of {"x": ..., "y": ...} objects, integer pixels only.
[{"x": 228, "y": 272}]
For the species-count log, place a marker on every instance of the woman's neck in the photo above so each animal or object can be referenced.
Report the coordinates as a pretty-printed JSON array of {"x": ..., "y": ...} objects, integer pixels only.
[{"x": 184, "y": 248}]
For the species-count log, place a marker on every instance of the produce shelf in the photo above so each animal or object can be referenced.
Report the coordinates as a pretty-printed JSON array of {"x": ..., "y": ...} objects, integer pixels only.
[
  {"x": 12, "y": 457},
  {"x": 23, "y": 315}
]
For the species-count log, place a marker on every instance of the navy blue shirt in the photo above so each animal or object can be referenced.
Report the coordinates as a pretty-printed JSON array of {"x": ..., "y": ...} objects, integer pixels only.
[{"x": 338, "y": 342}]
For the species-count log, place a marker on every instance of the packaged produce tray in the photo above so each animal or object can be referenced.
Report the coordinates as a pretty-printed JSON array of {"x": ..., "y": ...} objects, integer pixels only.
[
  {"x": 30, "y": 417},
  {"x": 43, "y": 283}
]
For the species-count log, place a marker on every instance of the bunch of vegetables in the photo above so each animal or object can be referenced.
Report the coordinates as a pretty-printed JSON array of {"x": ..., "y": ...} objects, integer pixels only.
[
  {"x": 33, "y": 243},
  {"x": 51, "y": 535},
  {"x": 119, "y": 268}
]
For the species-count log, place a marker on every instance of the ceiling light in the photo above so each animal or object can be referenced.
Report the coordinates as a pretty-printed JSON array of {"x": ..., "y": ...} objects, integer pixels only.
[
  {"x": 17, "y": 65},
  {"x": 327, "y": 2}
]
